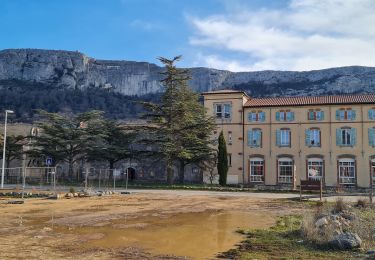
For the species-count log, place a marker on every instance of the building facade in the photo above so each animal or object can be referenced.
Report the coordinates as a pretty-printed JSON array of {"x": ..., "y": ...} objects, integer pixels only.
[{"x": 280, "y": 141}]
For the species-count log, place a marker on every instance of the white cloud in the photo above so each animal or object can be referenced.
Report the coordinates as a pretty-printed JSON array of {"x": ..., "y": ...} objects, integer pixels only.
[{"x": 308, "y": 34}]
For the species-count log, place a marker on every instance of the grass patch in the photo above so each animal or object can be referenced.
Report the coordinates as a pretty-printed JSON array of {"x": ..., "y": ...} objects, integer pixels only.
[{"x": 283, "y": 241}]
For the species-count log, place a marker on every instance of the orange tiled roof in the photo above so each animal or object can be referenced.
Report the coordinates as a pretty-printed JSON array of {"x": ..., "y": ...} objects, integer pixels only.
[{"x": 319, "y": 100}]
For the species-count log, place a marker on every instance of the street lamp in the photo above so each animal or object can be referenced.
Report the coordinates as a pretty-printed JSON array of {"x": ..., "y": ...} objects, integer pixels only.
[{"x": 5, "y": 142}]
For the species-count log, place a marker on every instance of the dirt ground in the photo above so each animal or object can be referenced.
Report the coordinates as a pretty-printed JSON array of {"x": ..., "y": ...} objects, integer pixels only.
[{"x": 71, "y": 228}]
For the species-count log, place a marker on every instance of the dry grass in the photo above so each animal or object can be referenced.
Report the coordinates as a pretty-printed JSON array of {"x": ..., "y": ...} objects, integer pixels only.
[
  {"x": 362, "y": 203},
  {"x": 362, "y": 223},
  {"x": 339, "y": 205}
]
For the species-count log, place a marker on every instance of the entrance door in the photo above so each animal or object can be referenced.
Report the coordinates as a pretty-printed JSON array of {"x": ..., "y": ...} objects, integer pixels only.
[{"x": 131, "y": 173}]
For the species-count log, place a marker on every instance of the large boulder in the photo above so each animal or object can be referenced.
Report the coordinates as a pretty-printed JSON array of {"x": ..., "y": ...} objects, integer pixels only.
[{"x": 346, "y": 240}]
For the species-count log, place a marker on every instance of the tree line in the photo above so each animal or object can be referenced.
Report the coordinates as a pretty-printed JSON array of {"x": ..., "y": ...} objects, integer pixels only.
[{"x": 178, "y": 130}]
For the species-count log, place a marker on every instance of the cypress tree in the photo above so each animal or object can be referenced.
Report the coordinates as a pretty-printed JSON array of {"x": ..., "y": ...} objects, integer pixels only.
[{"x": 222, "y": 160}]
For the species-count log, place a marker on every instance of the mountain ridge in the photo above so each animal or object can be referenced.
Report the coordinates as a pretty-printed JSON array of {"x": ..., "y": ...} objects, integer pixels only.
[
  {"x": 73, "y": 69},
  {"x": 70, "y": 81}
]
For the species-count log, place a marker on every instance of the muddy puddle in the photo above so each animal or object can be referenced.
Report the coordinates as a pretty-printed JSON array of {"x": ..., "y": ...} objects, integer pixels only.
[{"x": 195, "y": 235}]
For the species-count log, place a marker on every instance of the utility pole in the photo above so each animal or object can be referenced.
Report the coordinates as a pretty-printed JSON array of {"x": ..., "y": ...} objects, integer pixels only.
[{"x": 4, "y": 147}]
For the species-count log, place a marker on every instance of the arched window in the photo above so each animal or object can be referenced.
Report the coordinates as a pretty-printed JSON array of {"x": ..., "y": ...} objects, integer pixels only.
[
  {"x": 347, "y": 171},
  {"x": 256, "y": 173},
  {"x": 315, "y": 168},
  {"x": 285, "y": 170}
]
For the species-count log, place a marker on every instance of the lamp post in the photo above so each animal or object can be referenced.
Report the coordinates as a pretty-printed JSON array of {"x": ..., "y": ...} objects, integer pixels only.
[{"x": 4, "y": 147}]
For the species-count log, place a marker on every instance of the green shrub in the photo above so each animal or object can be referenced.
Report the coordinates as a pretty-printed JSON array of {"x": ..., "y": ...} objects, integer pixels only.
[{"x": 72, "y": 190}]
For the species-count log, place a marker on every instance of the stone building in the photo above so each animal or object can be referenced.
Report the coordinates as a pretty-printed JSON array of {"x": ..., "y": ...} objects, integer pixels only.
[{"x": 280, "y": 141}]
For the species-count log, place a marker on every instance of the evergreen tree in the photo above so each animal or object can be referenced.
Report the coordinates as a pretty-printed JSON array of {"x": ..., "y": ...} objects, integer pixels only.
[
  {"x": 114, "y": 145},
  {"x": 66, "y": 138},
  {"x": 222, "y": 160},
  {"x": 14, "y": 148},
  {"x": 180, "y": 127}
]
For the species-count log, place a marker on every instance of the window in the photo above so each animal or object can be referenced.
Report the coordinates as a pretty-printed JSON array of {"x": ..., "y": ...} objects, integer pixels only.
[
  {"x": 254, "y": 138},
  {"x": 256, "y": 170},
  {"x": 284, "y": 115},
  {"x": 229, "y": 159},
  {"x": 315, "y": 168},
  {"x": 371, "y": 136},
  {"x": 283, "y": 137},
  {"x": 313, "y": 137},
  {"x": 317, "y": 115},
  {"x": 347, "y": 171},
  {"x": 223, "y": 111},
  {"x": 346, "y": 136},
  {"x": 373, "y": 171},
  {"x": 219, "y": 111},
  {"x": 371, "y": 114},
  {"x": 285, "y": 170},
  {"x": 227, "y": 110},
  {"x": 256, "y": 116},
  {"x": 345, "y": 114}
]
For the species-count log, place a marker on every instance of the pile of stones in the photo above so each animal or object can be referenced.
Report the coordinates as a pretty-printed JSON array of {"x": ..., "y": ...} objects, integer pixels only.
[
  {"x": 18, "y": 194},
  {"x": 105, "y": 193},
  {"x": 81, "y": 194},
  {"x": 338, "y": 225}
]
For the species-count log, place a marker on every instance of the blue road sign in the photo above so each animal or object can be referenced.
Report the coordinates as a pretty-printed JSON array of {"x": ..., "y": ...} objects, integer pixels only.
[{"x": 49, "y": 161}]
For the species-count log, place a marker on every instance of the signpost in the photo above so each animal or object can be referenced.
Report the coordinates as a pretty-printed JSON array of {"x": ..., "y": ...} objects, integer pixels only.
[{"x": 49, "y": 161}]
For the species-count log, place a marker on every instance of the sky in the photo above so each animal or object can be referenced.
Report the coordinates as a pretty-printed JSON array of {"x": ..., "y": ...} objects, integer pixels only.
[{"x": 236, "y": 35}]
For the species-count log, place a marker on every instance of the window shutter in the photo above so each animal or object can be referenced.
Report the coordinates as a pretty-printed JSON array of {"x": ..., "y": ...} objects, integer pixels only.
[
  {"x": 307, "y": 137},
  {"x": 257, "y": 138},
  {"x": 262, "y": 116},
  {"x": 249, "y": 137},
  {"x": 369, "y": 114},
  {"x": 337, "y": 114},
  {"x": 288, "y": 116},
  {"x": 371, "y": 136},
  {"x": 353, "y": 115},
  {"x": 249, "y": 116},
  {"x": 277, "y": 116},
  {"x": 338, "y": 137},
  {"x": 291, "y": 116},
  {"x": 278, "y": 137},
  {"x": 354, "y": 136},
  {"x": 311, "y": 115},
  {"x": 321, "y": 115}
]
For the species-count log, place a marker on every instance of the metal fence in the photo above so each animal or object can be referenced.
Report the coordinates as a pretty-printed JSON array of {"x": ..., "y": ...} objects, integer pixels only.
[
  {"x": 26, "y": 178},
  {"x": 105, "y": 179}
]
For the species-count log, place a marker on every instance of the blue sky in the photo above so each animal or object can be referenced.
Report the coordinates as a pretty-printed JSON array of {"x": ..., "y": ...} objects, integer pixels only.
[{"x": 226, "y": 34}]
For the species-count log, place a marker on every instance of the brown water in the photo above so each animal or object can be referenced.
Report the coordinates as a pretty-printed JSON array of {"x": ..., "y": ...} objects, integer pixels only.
[{"x": 196, "y": 235}]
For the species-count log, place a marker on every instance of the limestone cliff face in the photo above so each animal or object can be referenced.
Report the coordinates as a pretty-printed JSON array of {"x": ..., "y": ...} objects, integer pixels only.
[{"x": 67, "y": 69}]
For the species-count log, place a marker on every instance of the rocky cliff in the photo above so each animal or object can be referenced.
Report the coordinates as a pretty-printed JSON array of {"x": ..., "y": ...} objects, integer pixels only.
[{"x": 74, "y": 70}]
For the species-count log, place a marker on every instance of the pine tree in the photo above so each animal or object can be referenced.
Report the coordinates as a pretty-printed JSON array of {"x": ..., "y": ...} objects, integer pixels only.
[
  {"x": 222, "y": 160},
  {"x": 66, "y": 138},
  {"x": 113, "y": 145},
  {"x": 14, "y": 147},
  {"x": 182, "y": 130}
]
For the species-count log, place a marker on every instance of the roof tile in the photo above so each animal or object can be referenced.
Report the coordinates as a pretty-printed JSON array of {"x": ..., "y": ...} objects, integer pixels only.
[{"x": 317, "y": 100}]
